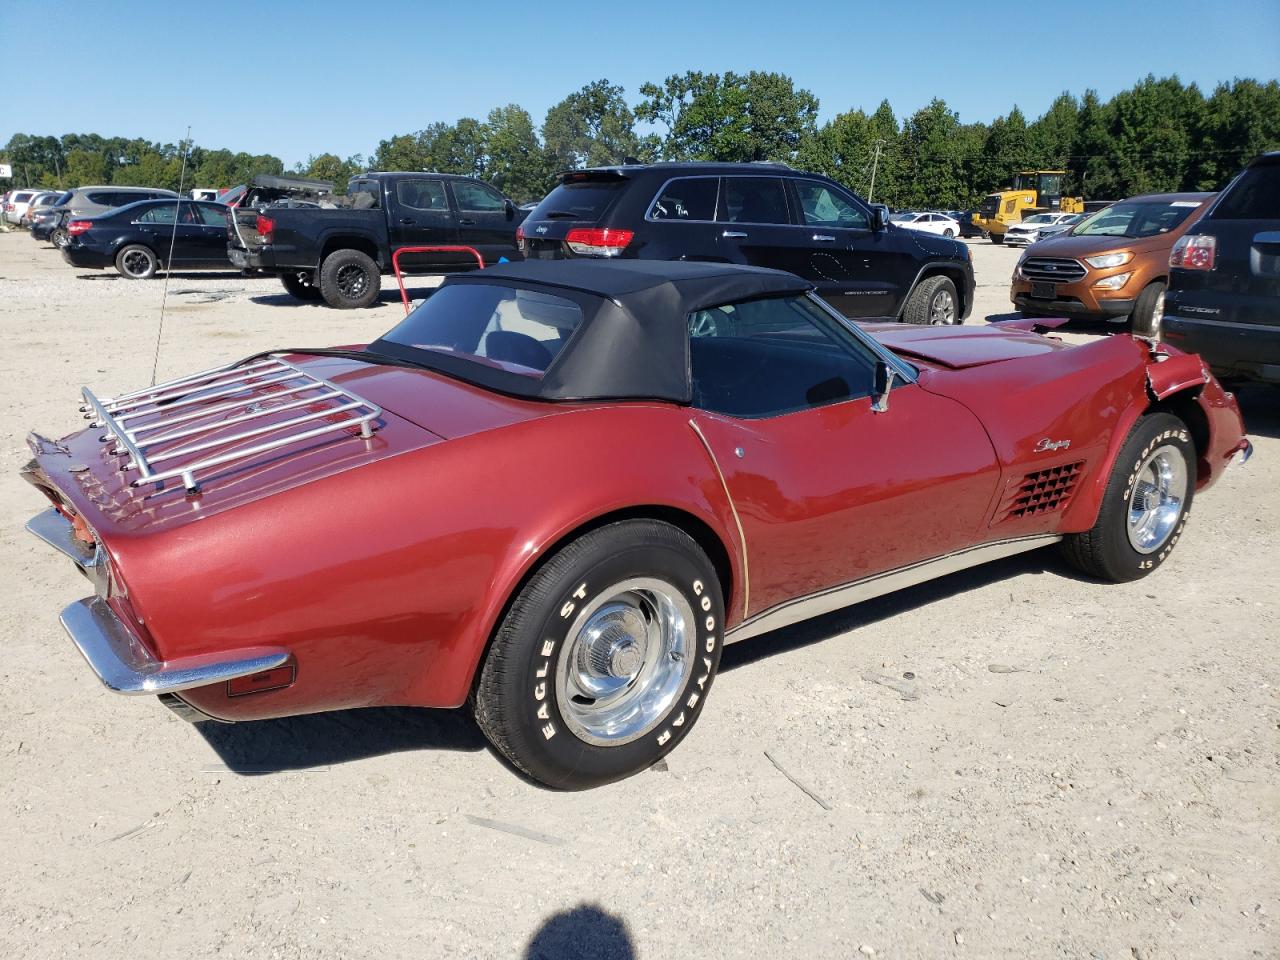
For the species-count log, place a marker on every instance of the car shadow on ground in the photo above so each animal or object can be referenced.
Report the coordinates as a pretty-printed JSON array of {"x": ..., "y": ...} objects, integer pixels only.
[
  {"x": 323, "y": 739},
  {"x": 385, "y": 298},
  {"x": 870, "y": 612}
]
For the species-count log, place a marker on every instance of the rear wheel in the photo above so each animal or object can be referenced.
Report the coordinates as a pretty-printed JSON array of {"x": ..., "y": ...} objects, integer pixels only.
[
  {"x": 997, "y": 238},
  {"x": 934, "y": 302},
  {"x": 1145, "y": 506},
  {"x": 1145, "y": 319},
  {"x": 349, "y": 279},
  {"x": 59, "y": 238},
  {"x": 949, "y": 233},
  {"x": 301, "y": 285},
  {"x": 136, "y": 262},
  {"x": 602, "y": 663}
]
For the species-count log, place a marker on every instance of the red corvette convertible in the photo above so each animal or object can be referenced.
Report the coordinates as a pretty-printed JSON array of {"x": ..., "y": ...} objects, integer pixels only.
[{"x": 556, "y": 490}]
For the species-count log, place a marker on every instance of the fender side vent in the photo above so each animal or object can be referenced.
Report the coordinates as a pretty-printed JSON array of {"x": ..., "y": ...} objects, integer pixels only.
[{"x": 1043, "y": 491}]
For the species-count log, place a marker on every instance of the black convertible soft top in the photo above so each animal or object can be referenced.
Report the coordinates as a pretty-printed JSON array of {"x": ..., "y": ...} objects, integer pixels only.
[{"x": 634, "y": 339}]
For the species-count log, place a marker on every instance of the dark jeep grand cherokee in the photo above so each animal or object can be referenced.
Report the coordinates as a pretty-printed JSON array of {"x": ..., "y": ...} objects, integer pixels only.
[{"x": 766, "y": 215}]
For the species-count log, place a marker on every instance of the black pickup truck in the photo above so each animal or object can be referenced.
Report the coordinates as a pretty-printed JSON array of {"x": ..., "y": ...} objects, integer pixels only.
[{"x": 339, "y": 253}]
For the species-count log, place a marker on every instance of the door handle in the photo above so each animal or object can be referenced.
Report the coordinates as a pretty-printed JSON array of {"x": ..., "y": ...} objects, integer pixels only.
[
  {"x": 467, "y": 223},
  {"x": 734, "y": 235},
  {"x": 823, "y": 238},
  {"x": 407, "y": 221}
]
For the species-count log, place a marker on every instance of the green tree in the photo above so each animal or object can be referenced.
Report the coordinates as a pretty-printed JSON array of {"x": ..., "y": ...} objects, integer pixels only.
[
  {"x": 517, "y": 163},
  {"x": 1238, "y": 122},
  {"x": 1006, "y": 151},
  {"x": 731, "y": 118},
  {"x": 86, "y": 167},
  {"x": 1151, "y": 129},
  {"x": 592, "y": 127},
  {"x": 931, "y": 146}
]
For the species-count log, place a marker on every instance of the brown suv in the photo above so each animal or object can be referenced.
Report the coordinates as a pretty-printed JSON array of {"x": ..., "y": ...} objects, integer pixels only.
[{"x": 1111, "y": 266}]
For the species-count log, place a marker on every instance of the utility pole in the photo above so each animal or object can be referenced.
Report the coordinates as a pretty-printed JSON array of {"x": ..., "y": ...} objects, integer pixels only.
[{"x": 875, "y": 162}]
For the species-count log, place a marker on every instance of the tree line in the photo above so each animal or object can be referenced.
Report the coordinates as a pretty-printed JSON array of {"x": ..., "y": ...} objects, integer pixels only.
[{"x": 1159, "y": 135}]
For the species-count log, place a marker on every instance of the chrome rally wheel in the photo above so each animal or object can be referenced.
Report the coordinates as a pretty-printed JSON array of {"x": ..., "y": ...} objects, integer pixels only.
[
  {"x": 1155, "y": 505},
  {"x": 605, "y": 657},
  {"x": 627, "y": 657}
]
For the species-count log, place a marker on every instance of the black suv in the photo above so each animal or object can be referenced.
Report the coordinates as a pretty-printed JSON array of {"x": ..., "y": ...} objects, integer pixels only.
[
  {"x": 1223, "y": 298},
  {"x": 767, "y": 215}
]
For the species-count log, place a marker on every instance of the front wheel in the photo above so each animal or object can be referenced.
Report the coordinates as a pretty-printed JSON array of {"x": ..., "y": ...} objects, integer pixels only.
[
  {"x": 603, "y": 662},
  {"x": 1145, "y": 506},
  {"x": 997, "y": 238},
  {"x": 136, "y": 262},
  {"x": 934, "y": 302},
  {"x": 349, "y": 279}
]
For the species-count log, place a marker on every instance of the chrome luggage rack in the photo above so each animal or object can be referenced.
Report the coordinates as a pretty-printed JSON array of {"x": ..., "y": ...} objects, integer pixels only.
[{"x": 171, "y": 431}]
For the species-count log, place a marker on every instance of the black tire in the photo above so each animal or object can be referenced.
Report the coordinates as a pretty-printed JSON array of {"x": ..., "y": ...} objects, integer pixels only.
[
  {"x": 521, "y": 700},
  {"x": 949, "y": 233},
  {"x": 997, "y": 238},
  {"x": 136, "y": 262},
  {"x": 1106, "y": 550},
  {"x": 59, "y": 238},
  {"x": 349, "y": 280},
  {"x": 300, "y": 286},
  {"x": 1143, "y": 321},
  {"x": 934, "y": 301}
]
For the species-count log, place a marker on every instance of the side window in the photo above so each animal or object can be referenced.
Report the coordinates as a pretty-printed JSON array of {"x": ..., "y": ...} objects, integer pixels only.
[
  {"x": 687, "y": 198},
  {"x": 161, "y": 213},
  {"x": 213, "y": 216},
  {"x": 1254, "y": 196},
  {"x": 763, "y": 358},
  {"x": 422, "y": 195},
  {"x": 365, "y": 194},
  {"x": 103, "y": 198},
  {"x": 753, "y": 200},
  {"x": 477, "y": 198},
  {"x": 823, "y": 207}
]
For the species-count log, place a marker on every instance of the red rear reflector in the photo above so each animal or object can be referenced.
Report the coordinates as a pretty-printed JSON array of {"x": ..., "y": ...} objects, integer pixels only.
[
  {"x": 597, "y": 241},
  {"x": 265, "y": 227},
  {"x": 1194, "y": 253},
  {"x": 76, "y": 227},
  {"x": 262, "y": 682}
]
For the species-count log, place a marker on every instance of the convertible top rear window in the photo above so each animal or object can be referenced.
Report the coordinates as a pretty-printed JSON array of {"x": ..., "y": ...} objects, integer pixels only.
[{"x": 514, "y": 329}]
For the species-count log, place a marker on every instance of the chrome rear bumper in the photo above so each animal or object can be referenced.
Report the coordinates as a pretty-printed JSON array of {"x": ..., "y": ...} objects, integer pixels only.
[
  {"x": 121, "y": 661},
  {"x": 126, "y": 666}
]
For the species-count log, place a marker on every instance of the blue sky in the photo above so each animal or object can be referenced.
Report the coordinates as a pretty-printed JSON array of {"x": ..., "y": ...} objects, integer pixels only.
[{"x": 293, "y": 79}]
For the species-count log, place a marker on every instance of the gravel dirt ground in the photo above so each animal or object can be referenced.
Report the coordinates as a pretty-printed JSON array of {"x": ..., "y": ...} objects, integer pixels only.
[{"x": 1076, "y": 769}]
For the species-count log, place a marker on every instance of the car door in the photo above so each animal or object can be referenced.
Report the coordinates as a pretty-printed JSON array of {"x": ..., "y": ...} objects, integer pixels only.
[
  {"x": 755, "y": 224},
  {"x": 863, "y": 273},
  {"x": 486, "y": 219},
  {"x": 185, "y": 237},
  {"x": 213, "y": 233},
  {"x": 421, "y": 217},
  {"x": 828, "y": 490}
]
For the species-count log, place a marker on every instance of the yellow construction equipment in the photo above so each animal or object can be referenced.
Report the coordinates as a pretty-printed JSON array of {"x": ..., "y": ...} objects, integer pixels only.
[{"x": 1033, "y": 191}]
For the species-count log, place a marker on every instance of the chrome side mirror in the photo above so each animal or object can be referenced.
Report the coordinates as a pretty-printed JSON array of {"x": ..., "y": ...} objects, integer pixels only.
[{"x": 881, "y": 386}]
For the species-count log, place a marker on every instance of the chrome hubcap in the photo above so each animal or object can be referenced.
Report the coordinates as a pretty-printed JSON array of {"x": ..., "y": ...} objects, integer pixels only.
[
  {"x": 1157, "y": 498},
  {"x": 627, "y": 657},
  {"x": 943, "y": 308}
]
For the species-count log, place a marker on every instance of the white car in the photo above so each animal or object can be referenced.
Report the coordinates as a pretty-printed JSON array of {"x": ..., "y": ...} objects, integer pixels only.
[
  {"x": 1028, "y": 231},
  {"x": 15, "y": 207},
  {"x": 938, "y": 223}
]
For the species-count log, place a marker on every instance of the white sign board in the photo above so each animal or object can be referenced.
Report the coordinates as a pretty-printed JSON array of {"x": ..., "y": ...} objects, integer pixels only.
[{"x": 6, "y": 170}]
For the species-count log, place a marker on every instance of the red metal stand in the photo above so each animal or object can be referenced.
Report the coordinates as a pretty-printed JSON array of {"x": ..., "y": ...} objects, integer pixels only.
[{"x": 395, "y": 263}]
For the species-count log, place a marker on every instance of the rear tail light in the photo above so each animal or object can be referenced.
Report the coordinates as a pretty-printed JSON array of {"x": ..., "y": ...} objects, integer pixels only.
[
  {"x": 598, "y": 242},
  {"x": 77, "y": 227},
  {"x": 520, "y": 232},
  {"x": 265, "y": 227},
  {"x": 1194, "y": 253}
]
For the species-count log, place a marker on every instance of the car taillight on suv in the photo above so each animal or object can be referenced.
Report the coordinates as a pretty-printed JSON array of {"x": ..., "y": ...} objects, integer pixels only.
[
  {"x": 598, "y": 241},
  {"x": 265, "y": 227},
  {"x": 1198, "y": 252},
  {"x": 77, "y": 227}
]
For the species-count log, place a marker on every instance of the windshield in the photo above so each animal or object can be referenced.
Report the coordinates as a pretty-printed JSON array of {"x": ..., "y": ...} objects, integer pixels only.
[
  {"x": 517, "y": 330},
  {"x": 1144, "y": 218},
  {"x": 1040, "y": 218}
]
